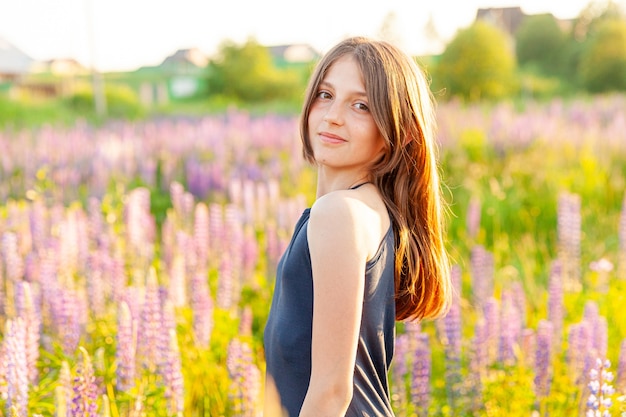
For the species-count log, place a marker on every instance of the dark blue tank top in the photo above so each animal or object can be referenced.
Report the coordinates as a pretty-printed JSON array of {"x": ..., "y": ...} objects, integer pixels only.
[{"x": 288, "y": 331}]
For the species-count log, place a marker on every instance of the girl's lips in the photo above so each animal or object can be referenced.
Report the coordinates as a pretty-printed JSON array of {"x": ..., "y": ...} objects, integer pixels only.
[{"x": 330, "y": 138}]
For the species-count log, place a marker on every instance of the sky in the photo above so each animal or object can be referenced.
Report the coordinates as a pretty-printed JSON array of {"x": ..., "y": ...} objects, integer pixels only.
[{"x": 121, "y": 35}]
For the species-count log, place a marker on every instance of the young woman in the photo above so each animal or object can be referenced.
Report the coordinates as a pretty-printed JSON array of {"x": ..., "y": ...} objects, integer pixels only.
[{"x": 370, "y": 250}]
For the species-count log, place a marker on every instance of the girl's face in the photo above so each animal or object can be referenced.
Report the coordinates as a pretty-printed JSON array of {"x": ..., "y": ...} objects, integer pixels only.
[{"x": 343, "y": 134}]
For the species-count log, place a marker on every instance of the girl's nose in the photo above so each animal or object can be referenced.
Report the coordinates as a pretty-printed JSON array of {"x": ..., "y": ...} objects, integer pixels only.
[{"x": 334, "y": 113}]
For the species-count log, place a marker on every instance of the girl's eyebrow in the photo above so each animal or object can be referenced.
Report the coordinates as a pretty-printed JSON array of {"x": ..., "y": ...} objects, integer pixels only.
[{"x": 358, "y": 93}]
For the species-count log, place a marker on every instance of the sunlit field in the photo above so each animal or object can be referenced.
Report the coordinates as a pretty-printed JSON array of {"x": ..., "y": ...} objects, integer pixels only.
[{"x": 138, "y": 262}]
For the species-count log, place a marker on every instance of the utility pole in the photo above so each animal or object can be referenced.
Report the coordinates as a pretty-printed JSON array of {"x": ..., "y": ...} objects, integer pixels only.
[{"x": 96, "y": 77}]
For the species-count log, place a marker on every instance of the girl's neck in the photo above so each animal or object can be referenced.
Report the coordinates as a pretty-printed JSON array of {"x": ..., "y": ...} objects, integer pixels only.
[{"x": 328, "y": 183}]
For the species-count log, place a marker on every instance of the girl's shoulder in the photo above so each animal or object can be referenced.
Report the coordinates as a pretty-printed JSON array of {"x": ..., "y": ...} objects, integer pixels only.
[{"x": 358, "y": 213}]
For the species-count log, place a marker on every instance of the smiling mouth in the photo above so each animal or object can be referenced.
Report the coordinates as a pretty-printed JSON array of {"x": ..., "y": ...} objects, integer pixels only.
[{"x": 330, "y": 138}]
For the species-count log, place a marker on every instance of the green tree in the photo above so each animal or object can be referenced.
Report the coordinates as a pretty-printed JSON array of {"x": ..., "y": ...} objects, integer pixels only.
[
  {"x": 603, "y": 61},
  {"x": 479, "y": 63},
  {"x": 247, "y": 73},
  {"x": 583, "y": 29},
  {"x": 539, "y": 43}
]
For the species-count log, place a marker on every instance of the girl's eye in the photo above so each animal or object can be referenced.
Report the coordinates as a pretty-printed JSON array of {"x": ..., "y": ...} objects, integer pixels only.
[
  {"x": 324, "y": 95},
  {"x": 362, "y": 106}
]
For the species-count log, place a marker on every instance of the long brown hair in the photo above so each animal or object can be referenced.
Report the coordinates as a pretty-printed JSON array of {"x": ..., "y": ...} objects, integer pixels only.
[{"x": 407, "y": 175}]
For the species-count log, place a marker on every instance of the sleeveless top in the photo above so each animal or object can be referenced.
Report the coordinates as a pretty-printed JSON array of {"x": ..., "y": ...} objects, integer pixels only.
[{"x": 288, "y": 331}]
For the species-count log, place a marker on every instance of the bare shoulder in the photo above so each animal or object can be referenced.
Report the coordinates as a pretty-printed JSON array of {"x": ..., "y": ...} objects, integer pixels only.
[{"x": 355, "y": 217}]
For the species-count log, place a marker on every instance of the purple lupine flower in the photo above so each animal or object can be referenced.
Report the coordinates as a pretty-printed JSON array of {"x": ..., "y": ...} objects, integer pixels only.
[
  {"x": 452, "y": 320},
  {"x": 556, "y": 308},
  {"x": 480, "y": 344},
  {"x": 452, "y": 343},
  {"x": 168, "y": 322},
  {"x": 225, "y": 284},
  {"x": 491, "y": 313},
  {"x": 202, "y": 309},
  {"x": 13, "y": 261},
  {"x": 234, "y": 239},
  {"x": 37, "y": 221},
  {"x": 420, "y": 375},
  {"x": 201, "y": 234},
  {"x": 579, "y": 347},
  {"x": 473, "y": 217},
  {"x": 569, "y": 238},
  {"x": 16, "y": 366},
  {"x": 216, "y": 228},
  {"x": 149, "y": 331},
  {"x": 598, "y": 328},
  {"x": 399, "y": 371},
  {"x": 126, "y": 348},
  {"x": 620, "y": 383},
  {"x": 482, "y": 269},
  {"x": 173, "y": 376},
  {"x": 97, "y": 286},
  {"x": 543, "y": 359},
  {"x": 85, "y": 390},
  {"x": 66, "y": 308},
  {"x": 600, "y": 399},
  {"x": 26, "y": 309},
  {"x": 245, "y": 379}
]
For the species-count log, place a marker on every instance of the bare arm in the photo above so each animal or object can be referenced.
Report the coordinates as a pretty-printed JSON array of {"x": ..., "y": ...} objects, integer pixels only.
[{"x": 338, "y": 257}]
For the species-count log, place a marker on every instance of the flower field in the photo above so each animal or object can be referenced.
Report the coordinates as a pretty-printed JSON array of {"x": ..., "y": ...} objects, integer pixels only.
[{"x": 137, "y": 264}]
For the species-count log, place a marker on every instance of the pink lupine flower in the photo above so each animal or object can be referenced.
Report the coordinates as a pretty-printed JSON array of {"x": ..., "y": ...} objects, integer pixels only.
[
  {"x": 245, "y": 379},
  {"x": 13, "y": 261},
  {"x": 126, "y": 348},
  {"x": 569, "y": 238},
  {"x": 202, "y": 308},
  {"x": 556, "y": 308},
  {"x": 201, "y": 234},
  {"x": 27, "y": 310},
  {"x": 149, "y": 330},
  {"x": 16, "y": 366}
]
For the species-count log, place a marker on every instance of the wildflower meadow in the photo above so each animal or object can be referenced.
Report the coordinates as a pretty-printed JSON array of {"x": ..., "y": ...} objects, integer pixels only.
[{"x": 137, "y": 262}]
